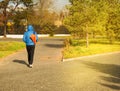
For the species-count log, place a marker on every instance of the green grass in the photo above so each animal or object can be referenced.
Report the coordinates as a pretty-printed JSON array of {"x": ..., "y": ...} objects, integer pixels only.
[
  {"x": 97, "y": 46},
  {"x": 9, "y": 47}
]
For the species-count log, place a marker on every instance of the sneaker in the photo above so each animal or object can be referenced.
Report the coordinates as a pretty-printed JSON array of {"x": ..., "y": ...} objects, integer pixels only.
[{"x": 30, "y": 65}]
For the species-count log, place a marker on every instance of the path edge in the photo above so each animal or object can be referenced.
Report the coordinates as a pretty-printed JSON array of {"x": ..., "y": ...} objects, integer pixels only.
[{"x": 89, "y": 56}]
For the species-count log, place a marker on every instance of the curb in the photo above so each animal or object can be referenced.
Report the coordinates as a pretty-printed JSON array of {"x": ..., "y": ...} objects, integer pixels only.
[{"x": 89, "y": 56}]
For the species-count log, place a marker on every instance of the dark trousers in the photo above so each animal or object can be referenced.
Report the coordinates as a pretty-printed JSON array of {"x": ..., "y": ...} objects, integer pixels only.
[{"x": 30, "y": 51}]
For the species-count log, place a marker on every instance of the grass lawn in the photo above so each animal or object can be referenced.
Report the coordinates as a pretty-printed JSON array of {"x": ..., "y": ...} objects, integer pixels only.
[
  {"x": 97, "y": 46},
  {"x": 9, "y": 47}
]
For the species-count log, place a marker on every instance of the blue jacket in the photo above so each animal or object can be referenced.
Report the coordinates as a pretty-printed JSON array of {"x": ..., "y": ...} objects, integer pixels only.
[{"x": 26, "y": 36}]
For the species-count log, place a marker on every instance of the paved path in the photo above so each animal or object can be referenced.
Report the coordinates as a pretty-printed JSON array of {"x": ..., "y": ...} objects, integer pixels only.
[{"x": 99, "y": 73}]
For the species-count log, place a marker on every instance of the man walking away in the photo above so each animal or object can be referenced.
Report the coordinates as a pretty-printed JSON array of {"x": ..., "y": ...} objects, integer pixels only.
[{"x": 30, "y": 44}]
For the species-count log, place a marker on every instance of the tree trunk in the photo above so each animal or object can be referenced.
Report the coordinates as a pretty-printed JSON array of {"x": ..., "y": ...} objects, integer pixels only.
[
  {"x": 5, "y": 21},
  {"x": 5, "y": 28}
]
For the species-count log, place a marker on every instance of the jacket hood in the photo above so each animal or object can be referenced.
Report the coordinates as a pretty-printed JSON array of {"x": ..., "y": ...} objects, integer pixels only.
[{"x": 30, "y": 28}]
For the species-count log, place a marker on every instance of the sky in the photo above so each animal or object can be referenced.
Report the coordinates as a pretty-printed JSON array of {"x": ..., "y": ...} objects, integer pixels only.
[{"x": 60, "y": 4}]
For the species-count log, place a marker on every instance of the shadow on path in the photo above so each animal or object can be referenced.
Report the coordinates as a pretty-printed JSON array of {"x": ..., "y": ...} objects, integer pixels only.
[
  {"x": 20, "y": 62},
  {"x": 55, "y": 45},
  {"x": 112, "y": 70}
]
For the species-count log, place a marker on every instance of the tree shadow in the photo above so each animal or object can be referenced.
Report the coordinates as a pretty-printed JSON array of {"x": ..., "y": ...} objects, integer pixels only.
[
  {"x": 111, "y": 79},
  {"x": 55, "y": 45},
  {"x": 112, "y": 70},
  {"x": 111, "y": 86},
  {"x": 20, "y": 62}
]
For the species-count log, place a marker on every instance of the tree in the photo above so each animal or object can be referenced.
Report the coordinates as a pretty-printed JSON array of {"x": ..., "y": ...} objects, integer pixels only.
[
  {"x": 8, "y": 7},
  {"x": 42, "y": 17},
  {"x": 94, "y": 16},
  {"x": 113, "y": 20},
  {"x": 83, "y": 14}
]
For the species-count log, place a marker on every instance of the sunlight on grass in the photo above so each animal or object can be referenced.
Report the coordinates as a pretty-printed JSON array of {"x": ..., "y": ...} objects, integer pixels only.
[
  {"x": 95, "y": 47},
  {"x": 9, "y": 47}
]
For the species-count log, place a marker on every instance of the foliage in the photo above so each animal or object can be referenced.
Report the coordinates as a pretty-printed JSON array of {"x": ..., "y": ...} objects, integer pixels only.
[
  {"x": 113, "y": 24},
  {"x": 40, "y": 16},
  {"x": 93, "y": 17},
  {"x": 43, "y": 18},
  {"x": 61, "y": 30},
  {"x": 8, "y": 8},
  {"x": 50, "y": 28}
]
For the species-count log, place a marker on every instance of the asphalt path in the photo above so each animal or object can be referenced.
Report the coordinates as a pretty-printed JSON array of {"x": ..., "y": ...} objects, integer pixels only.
[{"x": 97, "y": 73}]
